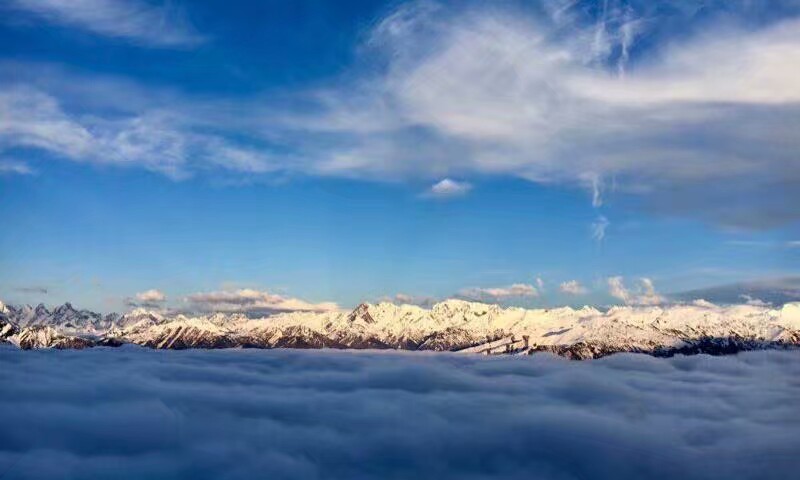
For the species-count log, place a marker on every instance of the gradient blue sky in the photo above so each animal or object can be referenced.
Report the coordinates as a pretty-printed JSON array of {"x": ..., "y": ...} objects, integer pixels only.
[{"x": 349, "y": 151}]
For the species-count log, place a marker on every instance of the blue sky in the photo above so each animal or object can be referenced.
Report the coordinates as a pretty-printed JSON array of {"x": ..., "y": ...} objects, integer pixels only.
[{"x": 220, "y": 154}]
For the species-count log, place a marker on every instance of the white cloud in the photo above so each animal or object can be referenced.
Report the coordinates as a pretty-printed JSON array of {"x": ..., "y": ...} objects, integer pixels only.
[
  {"x": 253, "y": 301},
  {"x": 475, "y": 91},
  {"x": 599, "y": 227},
  {"x": 540, "y": 103},
  {"x": 151, "y": 296},
  {"x": 597, "y": 192},
  {"x": 647, "y": 293},
  {"x": 448, "y": 188},
  {"x": 289, "y": 414},
  {"x": 643, "y": 294},
  {"x": 30, "y": 118},
  {"x": 168, "y": 141},
  {"x": 134, "y": 20},
  {"x": 572, "y": 287},
  {"x": 13, "y": 167},
  {"x": 520, "y": 290},
  {"x": 616, "y": 288}
]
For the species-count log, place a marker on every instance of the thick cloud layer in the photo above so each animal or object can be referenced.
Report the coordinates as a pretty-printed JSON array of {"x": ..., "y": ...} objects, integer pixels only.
[{"x": 132, "y": 413}]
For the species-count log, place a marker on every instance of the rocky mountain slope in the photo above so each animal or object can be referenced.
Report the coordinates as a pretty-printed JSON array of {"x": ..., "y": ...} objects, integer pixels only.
[{"x": 699, "y": 327}]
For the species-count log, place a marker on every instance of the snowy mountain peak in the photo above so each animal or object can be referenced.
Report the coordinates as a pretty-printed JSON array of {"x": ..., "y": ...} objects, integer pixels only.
[
  {"x": 361, "y": 313},
  {"x": 449, "y": 325}
]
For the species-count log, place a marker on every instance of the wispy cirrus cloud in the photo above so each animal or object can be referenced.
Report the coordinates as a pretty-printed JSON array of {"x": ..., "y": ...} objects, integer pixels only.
[
  {"x": 138, "y": 21},
  {"x": 545, "y": 101},
  {"x": 166, "y": 140},
  {"x": 537, "y": 94},
  {"x": 598, "y": 228},
  {"x": 15, "y": 167}
]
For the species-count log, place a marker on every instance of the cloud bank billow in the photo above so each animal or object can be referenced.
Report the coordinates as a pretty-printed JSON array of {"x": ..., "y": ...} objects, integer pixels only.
[{"x": 342, "y": 415}]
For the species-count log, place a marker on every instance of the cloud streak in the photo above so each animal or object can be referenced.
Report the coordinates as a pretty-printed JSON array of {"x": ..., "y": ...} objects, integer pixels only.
[
  {"x": 340, "y": 415},
  {"x": 137, "y": 21},
  {"x": 13, "y": 167},
  {"x": 598, "y": 228}
]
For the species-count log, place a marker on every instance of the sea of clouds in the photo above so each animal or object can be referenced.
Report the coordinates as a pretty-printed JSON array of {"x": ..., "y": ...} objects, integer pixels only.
[{"x": 135, "y": 413}]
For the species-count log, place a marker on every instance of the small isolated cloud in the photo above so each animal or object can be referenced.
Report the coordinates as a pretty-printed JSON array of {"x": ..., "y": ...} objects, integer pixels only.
[
  {"x": 643, "y": 294},
  {"x": 518, "y": 290},
  {"x": 149, "y": 298},
  {"x": 572, "y": 287},
  {"x": 252, "y": 301},
  {"x": 151, "y": 295},
  {"x": 13, "y": 167},
  {"x": 599, "y": 227},
  {"x": 448, "y": 188},
  {"x": 134, "y": 20}
]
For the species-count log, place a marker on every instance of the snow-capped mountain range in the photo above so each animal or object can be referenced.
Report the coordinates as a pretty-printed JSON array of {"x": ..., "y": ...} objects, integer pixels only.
[{"x": 454, "y": 325}]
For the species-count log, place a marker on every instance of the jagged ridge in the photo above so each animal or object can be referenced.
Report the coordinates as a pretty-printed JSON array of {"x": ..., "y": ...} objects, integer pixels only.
[{"x": 699, "y": 327}]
